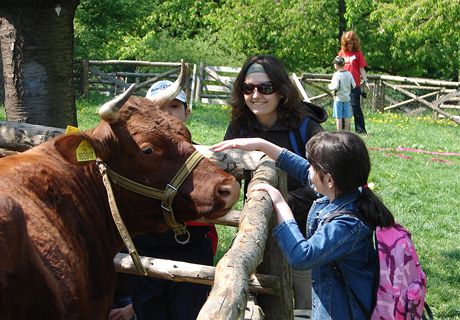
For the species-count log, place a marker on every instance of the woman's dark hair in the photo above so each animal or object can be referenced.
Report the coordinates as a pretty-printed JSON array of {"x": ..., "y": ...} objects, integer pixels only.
[
  {"x": 344, "y": 156},
  {"x": 290, "y": 110}
]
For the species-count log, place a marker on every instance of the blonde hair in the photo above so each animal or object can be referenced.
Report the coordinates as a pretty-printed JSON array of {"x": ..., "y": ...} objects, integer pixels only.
[{"x": 350, "y": 37}]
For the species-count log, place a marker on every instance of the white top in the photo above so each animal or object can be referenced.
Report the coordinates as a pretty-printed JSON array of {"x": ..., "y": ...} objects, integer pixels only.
[{"x": 342, "y": 82}]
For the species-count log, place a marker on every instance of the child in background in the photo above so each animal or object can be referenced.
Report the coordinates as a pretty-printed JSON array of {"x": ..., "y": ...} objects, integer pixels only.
[
  {"x": 338, "y": 166},
  {"x": 342, "y": 83}
]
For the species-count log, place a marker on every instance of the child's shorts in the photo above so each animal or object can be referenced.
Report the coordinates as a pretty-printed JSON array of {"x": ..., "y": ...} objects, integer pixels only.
[{"x": 341, "y": 110}]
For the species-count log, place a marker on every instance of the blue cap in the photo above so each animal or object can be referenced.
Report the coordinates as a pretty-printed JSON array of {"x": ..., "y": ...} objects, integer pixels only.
[{"x": 161, "y": 85}]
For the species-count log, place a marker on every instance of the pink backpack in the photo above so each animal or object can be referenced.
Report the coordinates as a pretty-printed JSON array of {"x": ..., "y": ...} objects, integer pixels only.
[
  {"x": 402, "y": 283},
  {"x": 401, "y": 286}
]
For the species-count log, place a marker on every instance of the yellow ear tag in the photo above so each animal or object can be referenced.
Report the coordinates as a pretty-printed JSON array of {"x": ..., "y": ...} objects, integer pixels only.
[
  {"x": 71, "y": 129},
  {"x": 85, "y": 152}
]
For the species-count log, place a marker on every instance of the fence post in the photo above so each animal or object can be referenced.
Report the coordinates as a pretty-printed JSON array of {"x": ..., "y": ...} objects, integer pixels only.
[
  {"x": 199, "y": 83},
  {"x": 381, "y": 102},
  {"x": 274, "y": 263},
  {"x": 192, "y": 88},
  {"x": 84, "y": 75}
]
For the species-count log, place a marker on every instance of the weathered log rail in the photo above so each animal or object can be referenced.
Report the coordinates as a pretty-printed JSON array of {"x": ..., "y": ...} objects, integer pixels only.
[
  {"x": 229, "y": 293},
  {"x": 178, "y": 271},
  {"x": 20, "y": 136}
]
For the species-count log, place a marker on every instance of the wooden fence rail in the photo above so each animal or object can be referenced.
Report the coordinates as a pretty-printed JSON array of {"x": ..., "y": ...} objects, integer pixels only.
[
  {"x": 439, "y": 96},
  {"x": 213, "y": 85}
]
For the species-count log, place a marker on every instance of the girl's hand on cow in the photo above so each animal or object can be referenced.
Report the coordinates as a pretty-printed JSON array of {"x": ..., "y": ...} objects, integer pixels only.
[
  {"x": 250, "y": 144},
  {"x": 283, "y": 212}
]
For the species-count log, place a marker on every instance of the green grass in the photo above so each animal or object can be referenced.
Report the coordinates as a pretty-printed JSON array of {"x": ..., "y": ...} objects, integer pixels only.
[{"x": 420, "y": 189}]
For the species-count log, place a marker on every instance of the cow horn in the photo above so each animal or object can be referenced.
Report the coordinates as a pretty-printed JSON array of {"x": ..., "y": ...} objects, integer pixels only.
[
  {"x": 170, "y": 93},
  {"x": 109, "y": 110}
]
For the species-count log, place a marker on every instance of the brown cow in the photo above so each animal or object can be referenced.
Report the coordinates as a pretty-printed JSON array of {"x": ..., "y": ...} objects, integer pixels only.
[{"x": 57, "y": 237}]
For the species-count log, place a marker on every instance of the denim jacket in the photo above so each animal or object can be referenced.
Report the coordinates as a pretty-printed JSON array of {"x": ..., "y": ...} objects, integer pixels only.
[{"x": 345, "y": 240}]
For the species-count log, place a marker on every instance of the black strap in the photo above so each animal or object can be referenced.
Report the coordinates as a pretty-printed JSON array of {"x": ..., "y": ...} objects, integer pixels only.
[
  {"x": 427, "y": 314},
  {"x": 341, "y": 276}
]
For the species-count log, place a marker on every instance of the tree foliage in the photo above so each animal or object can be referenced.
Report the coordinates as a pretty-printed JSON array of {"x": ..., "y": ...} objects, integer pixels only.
[{"x": 404, "y": 37}]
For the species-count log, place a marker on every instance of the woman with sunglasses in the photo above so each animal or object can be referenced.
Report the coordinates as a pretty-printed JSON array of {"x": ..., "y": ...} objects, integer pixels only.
[{"x": 266, "y": 104}]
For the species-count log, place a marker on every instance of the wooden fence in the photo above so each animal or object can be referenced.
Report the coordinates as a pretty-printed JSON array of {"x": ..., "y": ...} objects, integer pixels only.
[
  {"x": 412, "y": 95},
  {"x": 213, "y": 85}
]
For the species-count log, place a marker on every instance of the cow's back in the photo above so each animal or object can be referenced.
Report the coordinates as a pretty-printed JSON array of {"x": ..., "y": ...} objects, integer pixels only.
[{"x": 50, "y": 218}]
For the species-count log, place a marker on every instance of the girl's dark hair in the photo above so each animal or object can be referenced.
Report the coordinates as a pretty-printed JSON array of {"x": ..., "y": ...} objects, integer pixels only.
[
  {"x": 290, "y": 110},
  {"x": 344, "y": 156}
]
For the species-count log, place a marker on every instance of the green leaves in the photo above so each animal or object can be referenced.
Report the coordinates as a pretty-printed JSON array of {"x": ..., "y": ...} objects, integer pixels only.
[{"x": 404, "y": 37}]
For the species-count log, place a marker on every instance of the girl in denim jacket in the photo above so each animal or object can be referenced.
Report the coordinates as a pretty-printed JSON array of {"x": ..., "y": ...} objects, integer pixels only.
[{"x": 338, "y": 167}]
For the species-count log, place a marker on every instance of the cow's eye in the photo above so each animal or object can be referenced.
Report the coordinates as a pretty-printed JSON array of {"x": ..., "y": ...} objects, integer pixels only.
[{"x": 147, "y": 150}]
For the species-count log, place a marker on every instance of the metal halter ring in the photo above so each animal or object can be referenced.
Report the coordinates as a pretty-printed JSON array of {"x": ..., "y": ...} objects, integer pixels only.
[{"x": 187, "y": 239}]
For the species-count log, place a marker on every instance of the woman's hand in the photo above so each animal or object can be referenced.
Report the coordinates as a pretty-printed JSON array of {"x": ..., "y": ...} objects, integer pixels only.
[
  {"x": 246, "y": 144},
  {"x": 250, "y": 144},
  {"x": 368, "y": 85}
]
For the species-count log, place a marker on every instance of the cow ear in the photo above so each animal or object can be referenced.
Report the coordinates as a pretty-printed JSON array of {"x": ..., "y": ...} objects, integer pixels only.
[{"x": 69, "y": 145}]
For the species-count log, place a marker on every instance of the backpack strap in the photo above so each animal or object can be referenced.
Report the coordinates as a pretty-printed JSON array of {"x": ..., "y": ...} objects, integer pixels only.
[
  {"x": 427, "y": 313},
  {"x": 298, "y": 137},
  {"x": 349, "y": 291},
  {"x": 341, "y": 275}
]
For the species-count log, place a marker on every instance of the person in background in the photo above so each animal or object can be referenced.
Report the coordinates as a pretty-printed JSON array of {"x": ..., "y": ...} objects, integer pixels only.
[
  {"x": 338, "y": 166},
  {"x": 355, "y": 63},
  {"x": 162, "y": 299},
  {"x": 341, "y": 84},
  {"x": 266, "y": 104}
]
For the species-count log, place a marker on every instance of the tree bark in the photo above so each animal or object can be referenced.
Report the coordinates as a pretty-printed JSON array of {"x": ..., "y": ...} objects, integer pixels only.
[
  {"x": 342, "y": 21},
  {"x": 36, "y": 43}
]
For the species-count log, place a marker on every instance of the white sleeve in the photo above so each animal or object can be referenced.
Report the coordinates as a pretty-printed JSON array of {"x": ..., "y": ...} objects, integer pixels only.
[
  {"x": 334, "y": 85},
  {"x": 353, "y": 83}
]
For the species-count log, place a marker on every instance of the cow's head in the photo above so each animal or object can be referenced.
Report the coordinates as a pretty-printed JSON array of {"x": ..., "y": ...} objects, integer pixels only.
[{"x": 140, "y": 142}]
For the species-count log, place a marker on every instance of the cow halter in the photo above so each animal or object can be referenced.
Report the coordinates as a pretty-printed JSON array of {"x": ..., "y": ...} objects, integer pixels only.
[{"x": 166, "y": 196}]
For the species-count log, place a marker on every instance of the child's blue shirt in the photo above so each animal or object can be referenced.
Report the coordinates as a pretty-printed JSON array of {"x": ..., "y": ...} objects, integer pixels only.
[{"x": 346, "y": 240}]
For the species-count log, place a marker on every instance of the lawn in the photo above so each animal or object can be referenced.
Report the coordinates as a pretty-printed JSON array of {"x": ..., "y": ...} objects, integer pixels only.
[{"x": 416, "y": 171}]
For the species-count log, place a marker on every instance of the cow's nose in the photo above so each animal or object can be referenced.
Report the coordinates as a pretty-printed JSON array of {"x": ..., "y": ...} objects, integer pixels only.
[{"x": 229, "y": 192}]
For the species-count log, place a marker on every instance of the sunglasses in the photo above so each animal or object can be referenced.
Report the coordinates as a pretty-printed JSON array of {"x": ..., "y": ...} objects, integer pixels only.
[{"x": 262, "y": 88}]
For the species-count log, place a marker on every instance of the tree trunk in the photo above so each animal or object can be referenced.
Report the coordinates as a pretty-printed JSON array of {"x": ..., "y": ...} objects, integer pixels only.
[
  {"x": 36, "y": 43},
  {"x": 342, "y": 20}
]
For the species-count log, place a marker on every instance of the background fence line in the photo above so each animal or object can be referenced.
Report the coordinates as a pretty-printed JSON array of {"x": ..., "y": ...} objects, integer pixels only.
[{"x": 213, "y": 85}]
